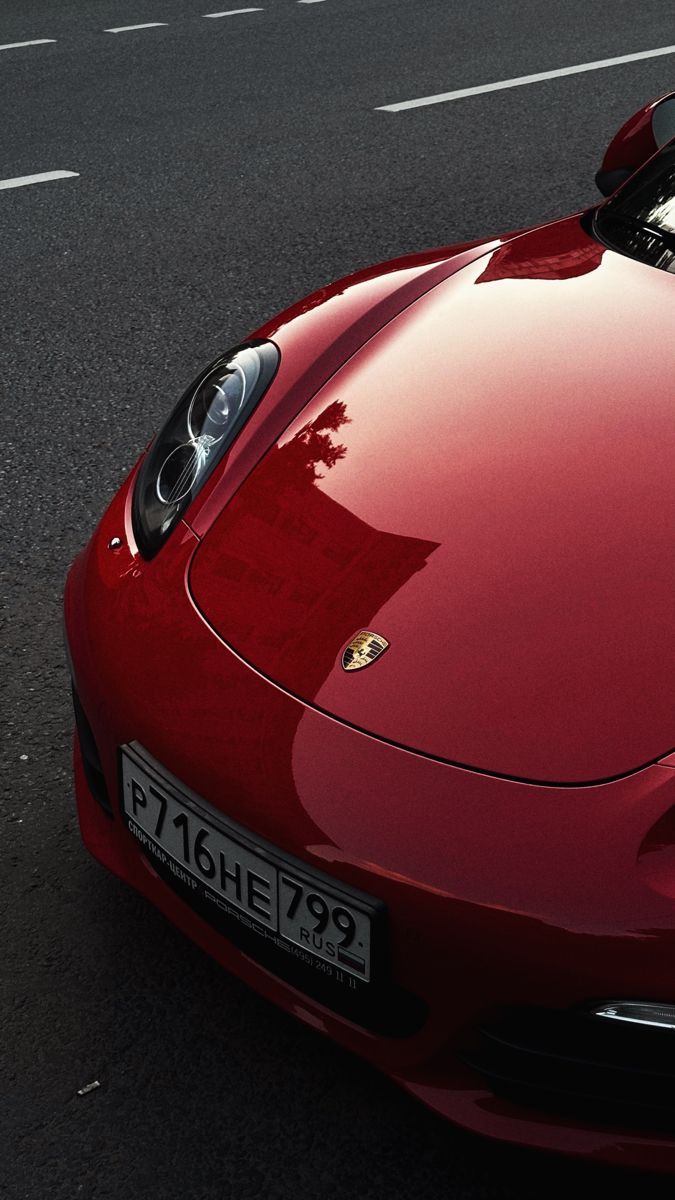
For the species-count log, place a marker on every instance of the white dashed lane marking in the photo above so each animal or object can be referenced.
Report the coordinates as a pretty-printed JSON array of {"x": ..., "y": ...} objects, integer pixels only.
[
  {"x": 128, "y": 28},
  {"x": 521, "y": 80},
  {"x": 230, "y": 12},
  {"x": 44, "y": 177},
  {"x": 233, "y": 12},
  {"x": 17, "y": 45}
]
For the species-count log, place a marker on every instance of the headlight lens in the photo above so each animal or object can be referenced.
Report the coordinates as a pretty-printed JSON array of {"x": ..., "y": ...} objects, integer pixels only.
[{"x": 199, "y": 431}]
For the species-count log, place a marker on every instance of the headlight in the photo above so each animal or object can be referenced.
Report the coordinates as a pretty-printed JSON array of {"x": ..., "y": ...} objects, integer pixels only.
[{"x": 199, "y": 431}]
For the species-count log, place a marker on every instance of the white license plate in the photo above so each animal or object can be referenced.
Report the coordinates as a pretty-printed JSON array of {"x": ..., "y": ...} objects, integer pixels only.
[{"x": 270, "y": 892}]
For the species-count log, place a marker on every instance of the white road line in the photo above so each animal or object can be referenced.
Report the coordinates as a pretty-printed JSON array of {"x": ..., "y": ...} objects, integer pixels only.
[
  {"x": 310, "y": 1},
  {"x": 37, "y": 42},
  {"x": 45, "y": 177},
  {"x": 233, "y": 12},
  {"x": 126, "y": 28},
  {"x": 442, "y": 97}
]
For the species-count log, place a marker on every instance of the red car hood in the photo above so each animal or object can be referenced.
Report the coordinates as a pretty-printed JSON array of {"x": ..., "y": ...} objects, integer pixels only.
[{"x": 490, "y": 485}]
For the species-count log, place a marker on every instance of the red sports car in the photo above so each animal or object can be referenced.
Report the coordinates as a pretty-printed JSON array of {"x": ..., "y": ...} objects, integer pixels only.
[{"x": 373, "y": 668}]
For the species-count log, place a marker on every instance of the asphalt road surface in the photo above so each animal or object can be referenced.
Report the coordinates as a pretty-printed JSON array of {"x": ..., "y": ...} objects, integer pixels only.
[{"x": 222, "y": 168}]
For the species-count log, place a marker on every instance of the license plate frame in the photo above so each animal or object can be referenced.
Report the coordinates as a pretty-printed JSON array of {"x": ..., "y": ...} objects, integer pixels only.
[{"x": 267, "y": 933}]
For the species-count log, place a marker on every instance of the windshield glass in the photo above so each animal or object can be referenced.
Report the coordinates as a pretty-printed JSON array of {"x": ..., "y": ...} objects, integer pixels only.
[{"x": 640, "y": 219}]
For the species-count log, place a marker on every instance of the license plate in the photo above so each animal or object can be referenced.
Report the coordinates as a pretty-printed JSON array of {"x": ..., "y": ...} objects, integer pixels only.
[{"x": 326, "y": 923}]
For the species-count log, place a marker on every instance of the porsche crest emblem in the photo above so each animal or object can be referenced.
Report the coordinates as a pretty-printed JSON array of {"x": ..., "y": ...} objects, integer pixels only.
[{"x": 363, "y": 650}]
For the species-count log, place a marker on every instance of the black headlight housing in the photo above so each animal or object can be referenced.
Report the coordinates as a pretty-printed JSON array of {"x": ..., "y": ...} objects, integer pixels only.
[{"x": 198, "y": 433}]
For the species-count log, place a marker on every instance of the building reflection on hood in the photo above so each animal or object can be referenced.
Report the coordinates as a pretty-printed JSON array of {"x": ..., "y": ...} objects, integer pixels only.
[
  {"x": 288, "y": 575},
  {"x": 531, "y": 257}
]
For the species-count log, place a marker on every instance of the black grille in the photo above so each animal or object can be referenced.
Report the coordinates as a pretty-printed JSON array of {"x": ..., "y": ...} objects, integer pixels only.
[
  {"x": 90, "y": 758},
  {"x": 608, "y": 1072}
]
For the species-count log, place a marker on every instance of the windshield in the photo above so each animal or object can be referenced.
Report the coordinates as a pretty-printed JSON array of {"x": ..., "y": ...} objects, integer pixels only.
[{"x": 640, "y": 219}]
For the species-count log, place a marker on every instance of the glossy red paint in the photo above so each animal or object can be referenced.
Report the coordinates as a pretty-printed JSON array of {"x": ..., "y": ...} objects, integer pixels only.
[
  {"x": 634, "y": 142},
  {"x": 503, "y": 518},
  {"x": 510, "y": 532},
  {"x": 335, "y": 323}
]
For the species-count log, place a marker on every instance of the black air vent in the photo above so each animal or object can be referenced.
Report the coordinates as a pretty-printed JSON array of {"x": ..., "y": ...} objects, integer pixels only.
[
  {"x": 572, "y": 1062},
  {"x": 90, "y": 758}
]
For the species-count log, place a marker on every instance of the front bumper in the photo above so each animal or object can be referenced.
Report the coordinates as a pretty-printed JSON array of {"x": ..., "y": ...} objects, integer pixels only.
[{"x": 500, "y": 895}]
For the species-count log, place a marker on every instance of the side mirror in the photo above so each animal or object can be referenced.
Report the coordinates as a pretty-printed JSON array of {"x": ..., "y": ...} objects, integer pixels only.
[{"x": 642, "y": 135}]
